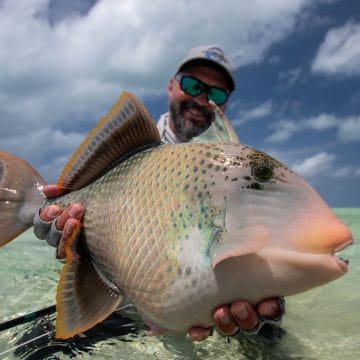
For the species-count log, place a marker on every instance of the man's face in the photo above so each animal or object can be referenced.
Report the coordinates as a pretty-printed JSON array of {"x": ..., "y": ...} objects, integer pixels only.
[{"x": 190, "y": 116}]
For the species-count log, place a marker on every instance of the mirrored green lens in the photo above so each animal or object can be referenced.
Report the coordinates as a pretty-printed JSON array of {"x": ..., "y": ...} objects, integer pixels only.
[
  {"x": 218, "y": 96},
  {"x": 195, "y": 87},
  {"x": 191, "y": 86}
]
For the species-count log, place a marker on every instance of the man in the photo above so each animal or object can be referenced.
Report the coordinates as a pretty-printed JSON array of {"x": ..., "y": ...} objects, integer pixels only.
[{"x": 205, "y": 74}]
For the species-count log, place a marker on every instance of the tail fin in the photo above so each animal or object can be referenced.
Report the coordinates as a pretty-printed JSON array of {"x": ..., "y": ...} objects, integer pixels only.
[{"x": 20, "y": 196}]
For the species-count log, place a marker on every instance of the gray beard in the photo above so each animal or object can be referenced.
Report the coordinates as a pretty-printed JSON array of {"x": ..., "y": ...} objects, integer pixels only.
[{"x": 186, "y": 132}]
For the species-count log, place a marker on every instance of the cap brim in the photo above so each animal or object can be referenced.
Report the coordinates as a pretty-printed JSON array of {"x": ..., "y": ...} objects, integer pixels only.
[{"x": 208, "y": 62}]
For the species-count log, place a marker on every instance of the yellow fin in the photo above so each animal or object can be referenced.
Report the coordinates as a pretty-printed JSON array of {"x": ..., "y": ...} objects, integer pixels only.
[
  {"x": 83, "y": 298},
  {"x": 220, "y": 130},
  {"x": 127, "y": 127}
]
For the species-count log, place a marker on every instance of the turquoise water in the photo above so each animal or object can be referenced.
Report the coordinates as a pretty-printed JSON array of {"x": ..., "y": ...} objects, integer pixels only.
[{"x": 320, "y": 324}]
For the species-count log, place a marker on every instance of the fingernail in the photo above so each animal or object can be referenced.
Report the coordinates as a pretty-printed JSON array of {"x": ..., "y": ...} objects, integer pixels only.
[
  {"x": 70, "y": 228},
  {"x": 53, "y": 212},
  {"x": 224, "y": 318},
  {"x": 74, "y": 212},
  {"x": 269, "y": 311},
  {"x": 242, "y": 313},
  {"x": 198, "y": 334}
]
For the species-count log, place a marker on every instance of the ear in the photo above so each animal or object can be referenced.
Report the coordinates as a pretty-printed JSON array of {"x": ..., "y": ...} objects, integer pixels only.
[{"x": 171, "y": 85}]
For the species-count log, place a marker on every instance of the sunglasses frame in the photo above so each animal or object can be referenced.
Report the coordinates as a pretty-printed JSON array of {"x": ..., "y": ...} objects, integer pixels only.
[{"x": 205, "y": 87}]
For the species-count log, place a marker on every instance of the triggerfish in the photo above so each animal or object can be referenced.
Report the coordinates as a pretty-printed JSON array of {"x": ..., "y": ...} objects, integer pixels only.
[{"x": 177, "y": 229}]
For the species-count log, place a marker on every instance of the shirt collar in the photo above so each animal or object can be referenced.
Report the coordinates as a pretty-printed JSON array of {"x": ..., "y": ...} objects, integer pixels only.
[{"x": 166, "y": 134}]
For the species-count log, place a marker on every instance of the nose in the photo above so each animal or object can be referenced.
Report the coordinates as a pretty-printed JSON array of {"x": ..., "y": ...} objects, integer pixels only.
[{"x": 202, "y": 99}]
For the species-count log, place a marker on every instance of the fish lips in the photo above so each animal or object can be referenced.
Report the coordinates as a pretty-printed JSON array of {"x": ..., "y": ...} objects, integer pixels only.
[{"x": 343, "y": 263}]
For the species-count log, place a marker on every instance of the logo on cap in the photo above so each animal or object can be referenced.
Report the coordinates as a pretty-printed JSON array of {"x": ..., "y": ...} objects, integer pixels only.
[{"x": 215, "y": 54}]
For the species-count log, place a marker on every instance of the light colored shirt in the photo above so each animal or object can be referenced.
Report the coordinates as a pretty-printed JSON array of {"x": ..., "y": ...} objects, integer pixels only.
[{"x": 166, "y": 134}]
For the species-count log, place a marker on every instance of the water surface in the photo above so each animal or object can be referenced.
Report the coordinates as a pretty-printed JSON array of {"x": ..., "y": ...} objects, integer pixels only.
[{"x": 320, "y": 324}]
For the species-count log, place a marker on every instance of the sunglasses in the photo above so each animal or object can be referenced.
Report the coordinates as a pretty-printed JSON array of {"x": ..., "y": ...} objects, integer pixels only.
[{"x": 195, "y": 87}]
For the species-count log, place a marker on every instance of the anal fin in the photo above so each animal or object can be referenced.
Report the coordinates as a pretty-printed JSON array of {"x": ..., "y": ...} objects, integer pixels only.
[{"x": 83, "y": 299}]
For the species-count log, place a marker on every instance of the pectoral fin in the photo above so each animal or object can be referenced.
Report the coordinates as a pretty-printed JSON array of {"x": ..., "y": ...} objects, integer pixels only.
[
  {"x": 83, "y": 298},
  {"x": 236, "y": 243}
]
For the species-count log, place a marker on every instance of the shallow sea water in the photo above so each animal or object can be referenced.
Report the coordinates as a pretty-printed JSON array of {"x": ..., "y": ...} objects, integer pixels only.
[{"x": 323, "y": 323}]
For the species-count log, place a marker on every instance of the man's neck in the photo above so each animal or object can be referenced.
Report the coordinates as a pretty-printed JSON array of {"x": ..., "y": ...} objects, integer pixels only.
[{"x": 167, "y": 133}]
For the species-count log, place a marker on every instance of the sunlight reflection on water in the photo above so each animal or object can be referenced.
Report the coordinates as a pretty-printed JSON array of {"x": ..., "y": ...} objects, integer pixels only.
[{"x": 320, "y": 324}]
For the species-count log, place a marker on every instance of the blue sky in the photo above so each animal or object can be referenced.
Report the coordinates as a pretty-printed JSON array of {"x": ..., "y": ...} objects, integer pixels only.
[{"x": 63, "y": 63}]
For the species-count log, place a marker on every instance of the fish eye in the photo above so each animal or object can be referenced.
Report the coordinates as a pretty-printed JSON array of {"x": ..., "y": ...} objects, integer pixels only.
[{"x": 262, "y": 172}]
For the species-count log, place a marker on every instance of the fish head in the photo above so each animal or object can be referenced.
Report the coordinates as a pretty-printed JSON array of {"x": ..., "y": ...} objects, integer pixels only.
[{"x": 273, "y": 213}]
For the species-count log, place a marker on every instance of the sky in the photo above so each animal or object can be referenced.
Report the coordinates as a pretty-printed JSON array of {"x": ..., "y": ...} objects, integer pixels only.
[{"x": 63, "y": 63}]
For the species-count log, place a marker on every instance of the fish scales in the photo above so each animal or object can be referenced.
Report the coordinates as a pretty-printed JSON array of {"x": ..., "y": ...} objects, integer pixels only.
[
  {"x": 158, "y": 197},
  {"x": 153, "y": 242},
  {"x": 179, "y": 229}
]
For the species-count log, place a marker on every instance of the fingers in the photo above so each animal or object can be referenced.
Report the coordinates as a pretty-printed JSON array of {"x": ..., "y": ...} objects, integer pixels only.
[
  {"x": 225, "y": 322},
  {"x": 52, "y": 191},
  {"x": 67, "y": 222},
  {"x": 75, "y": 211},
  {"x": 53, "y": 212},
  {"x": 199, "y": 333},
  {"x": 43, "y": 221},
  {"x": 56, "y": 226},
  {"x": 50, "y": 213},
  {"x": 271, "y": 309},
  {"x": 242, "y": 315},
  {"x": 70, "y": 227}
]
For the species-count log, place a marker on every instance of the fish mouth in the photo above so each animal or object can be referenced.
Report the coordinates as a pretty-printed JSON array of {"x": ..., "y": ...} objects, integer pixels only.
[{"x": 343, "y": 263}]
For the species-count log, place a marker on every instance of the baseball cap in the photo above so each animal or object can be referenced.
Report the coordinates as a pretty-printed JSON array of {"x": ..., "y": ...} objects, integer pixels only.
[{"x": 211, "y": 55}]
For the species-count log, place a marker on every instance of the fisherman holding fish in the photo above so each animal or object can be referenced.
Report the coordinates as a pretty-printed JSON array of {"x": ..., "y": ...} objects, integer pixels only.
[{"x": 205, "y": 74}]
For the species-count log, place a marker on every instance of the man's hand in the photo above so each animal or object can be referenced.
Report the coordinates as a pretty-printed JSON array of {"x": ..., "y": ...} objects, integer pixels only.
[
  {"x": 241, "y": 315},
  {"x": 65, "y": 221},
  {"x": 228, "y": 319}
]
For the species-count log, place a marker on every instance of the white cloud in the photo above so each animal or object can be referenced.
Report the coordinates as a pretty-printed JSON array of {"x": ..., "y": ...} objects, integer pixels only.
[
  {"x": 349, "y": 171},
  {"x": 58, "y": 75},
  {"x": 322, "y": 122},
  {"x": 340, "y": 51},
  {"x": 79, "y": 65},
  {"x": 27, "y": 143},
  {"x": 290, "y": 77},
  {"x": 255, "y": 113},
  {"x": 347, "y": 128},
  {"x": 44, "y": 146},
  {"x": 284, "y": 129},
  {"x": 314, "y": 165}
]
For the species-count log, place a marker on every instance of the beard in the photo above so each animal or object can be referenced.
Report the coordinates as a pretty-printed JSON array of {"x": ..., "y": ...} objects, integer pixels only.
[{"x": 186, "y": 128}]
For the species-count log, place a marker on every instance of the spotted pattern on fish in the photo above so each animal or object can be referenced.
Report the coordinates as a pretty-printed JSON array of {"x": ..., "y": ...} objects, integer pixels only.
[
  {"x": 164, "y": 195},
  {"x": 179, "y": 229}
]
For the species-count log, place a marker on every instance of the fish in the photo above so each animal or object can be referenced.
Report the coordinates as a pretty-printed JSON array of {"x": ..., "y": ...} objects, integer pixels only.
[{"x": 178, "y": 229}]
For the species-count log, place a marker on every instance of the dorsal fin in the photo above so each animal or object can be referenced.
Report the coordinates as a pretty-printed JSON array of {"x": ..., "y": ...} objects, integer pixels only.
[{"x": 126, "y": 127}]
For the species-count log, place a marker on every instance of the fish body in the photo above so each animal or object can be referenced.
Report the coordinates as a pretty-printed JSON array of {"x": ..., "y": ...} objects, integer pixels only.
[{"x": 181, "y": 229}]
